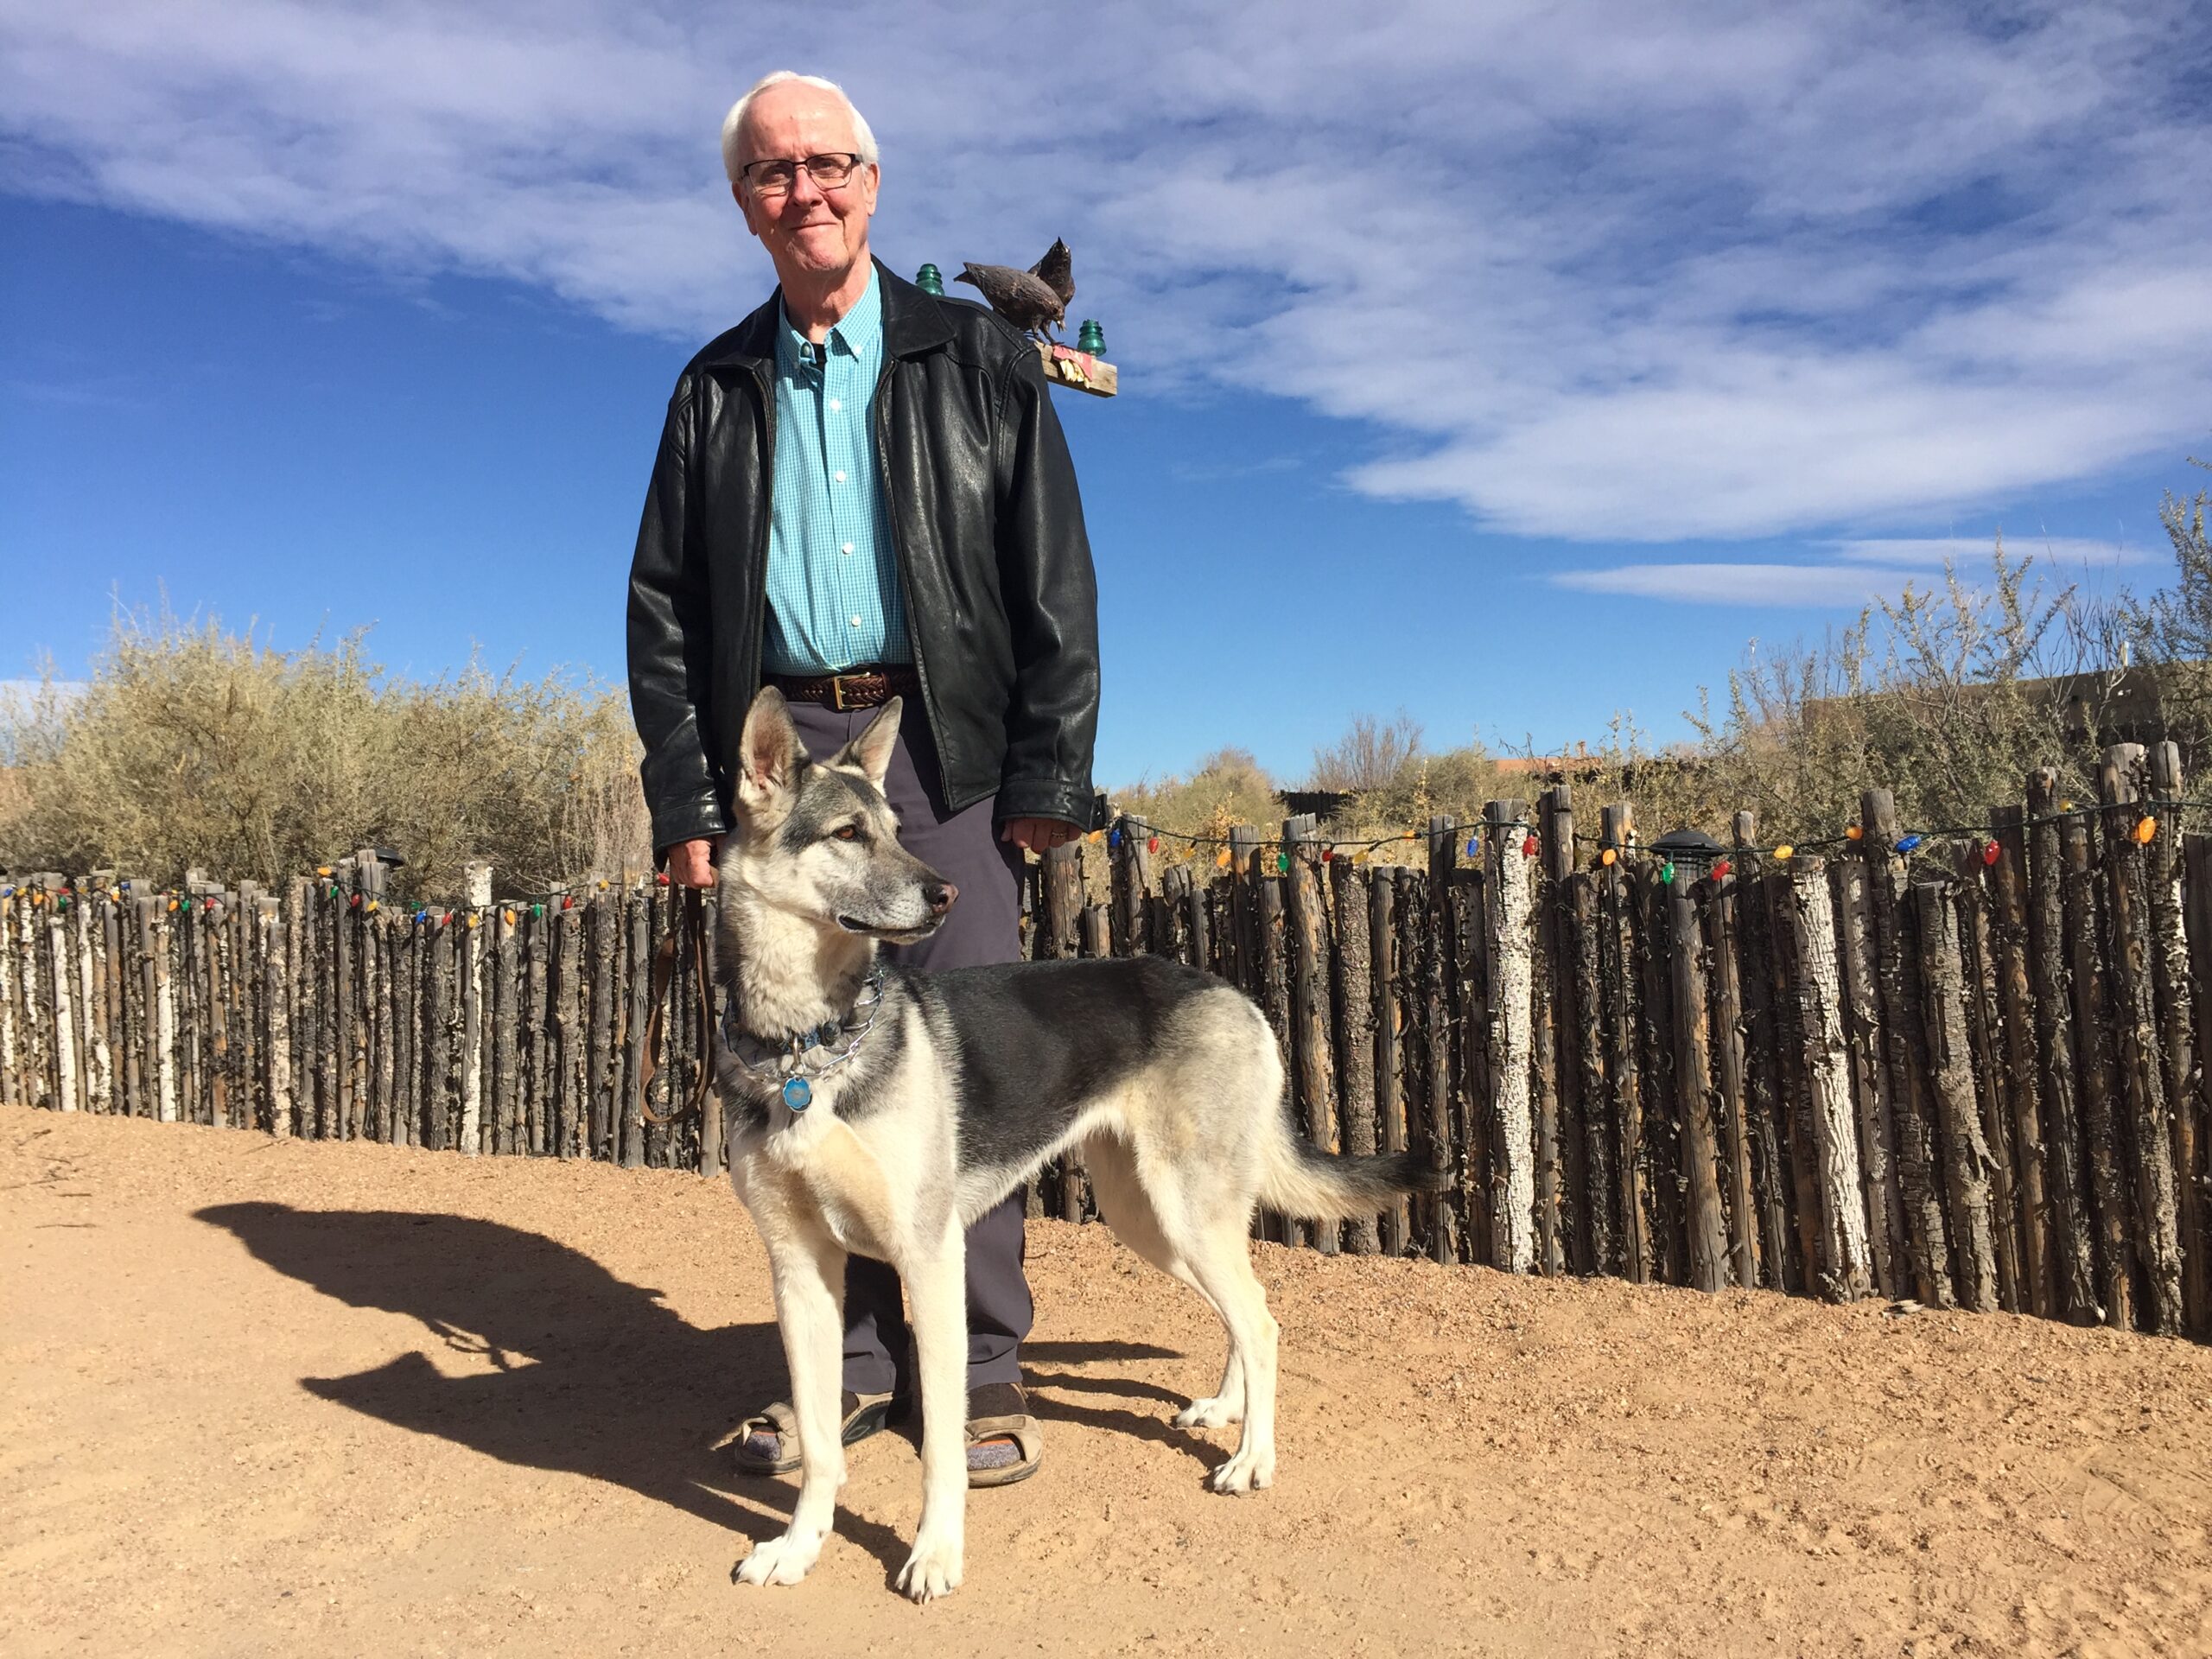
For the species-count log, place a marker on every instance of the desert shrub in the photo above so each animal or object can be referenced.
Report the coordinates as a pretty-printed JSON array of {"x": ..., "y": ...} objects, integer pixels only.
[
  {"x": 2172, "y": 631},
  {"x": 1370, "y": 754},
  {"x": 192, "y": 746},
  {"x": 1947, "y": 698},
  {"x": 1228, "y": 787}
]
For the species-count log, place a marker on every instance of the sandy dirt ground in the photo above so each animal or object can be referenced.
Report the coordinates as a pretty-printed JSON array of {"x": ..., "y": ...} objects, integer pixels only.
[{"x": 267, "y": 1398}]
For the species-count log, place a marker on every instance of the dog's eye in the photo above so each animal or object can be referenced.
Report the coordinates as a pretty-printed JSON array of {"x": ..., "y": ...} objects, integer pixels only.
[{"x": 847, "y": 832}]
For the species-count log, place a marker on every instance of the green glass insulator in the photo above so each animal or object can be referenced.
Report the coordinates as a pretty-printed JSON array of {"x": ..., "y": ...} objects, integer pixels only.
[
  {"x": 930, "y": 280},
  {"x": 1090, "y": 338}
]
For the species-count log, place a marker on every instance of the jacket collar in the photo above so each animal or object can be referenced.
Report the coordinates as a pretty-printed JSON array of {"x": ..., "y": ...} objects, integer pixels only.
[{"x": 911, "y": 325}]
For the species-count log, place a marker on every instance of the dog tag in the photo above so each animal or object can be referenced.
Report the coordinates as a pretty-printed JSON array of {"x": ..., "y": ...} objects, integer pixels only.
[{"x": 798, "y": 1094}]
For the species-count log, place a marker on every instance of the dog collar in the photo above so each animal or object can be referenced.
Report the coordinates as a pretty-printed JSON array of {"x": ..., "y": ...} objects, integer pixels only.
[{"x": 807, "y": 1054}]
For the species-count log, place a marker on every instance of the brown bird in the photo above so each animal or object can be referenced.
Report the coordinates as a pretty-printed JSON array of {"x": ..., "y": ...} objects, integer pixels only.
[
  {"x": 1057, "y": 268},
  {"x": 1033, "y": 300}
]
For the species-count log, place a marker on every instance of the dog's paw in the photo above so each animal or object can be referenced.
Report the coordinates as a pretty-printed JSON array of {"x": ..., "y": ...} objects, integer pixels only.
[
  {"x": 1212, "y": 1413},
  {"x": 1247, "y": 1471},
  {"x": 932, "y": 1570},
  {"x": 779, "y": 1560}
]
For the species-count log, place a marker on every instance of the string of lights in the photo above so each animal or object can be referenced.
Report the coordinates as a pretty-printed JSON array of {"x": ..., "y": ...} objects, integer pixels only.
[{"x": 2145, "y": 831}]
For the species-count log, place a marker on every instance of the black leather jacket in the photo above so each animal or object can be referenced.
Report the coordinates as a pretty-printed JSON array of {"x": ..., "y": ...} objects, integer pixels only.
[{"x": 1001, "y": 601}]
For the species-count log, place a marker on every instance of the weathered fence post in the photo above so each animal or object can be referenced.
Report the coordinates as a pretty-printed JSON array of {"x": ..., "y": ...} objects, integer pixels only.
[
  {"x": 2094, "y": 1051},
  {"x": 1559, "y": 1032},
  {"x": 2073, "y": 1282},
  {"x": 2196, "y": 852},
  {"x": 2121, "y": 782},
  {"x": 1314, "y": 1068},
  {"x": 1870, "y": 1076},
  {"x": 1509, "y": 879},
  {"x": 1809, "y": 948},
  {"x": 1764, "y": 1107},
  {"x": 1355, "y": 1023},
  {"x": 2020, "y": 1083},
  {"x": 1389, "y": 1102},
  {"x": 1724, "y": 989},
  {"x": 1965, "y": 1149},
  {"x": 1927, "y": 1241},
  {"x": 2169, "y": 965},
  {"x": 1619, "y": 991},
  {"x": 1556, "y": 1147},
  {"x": 1061, "y": 885},
  {"x": 1600, "y": 1191},
  {"x": 1705, "y": 1227},
  {"x": 1132, "y": 886},
  {"x": 1979, "y": 983}
]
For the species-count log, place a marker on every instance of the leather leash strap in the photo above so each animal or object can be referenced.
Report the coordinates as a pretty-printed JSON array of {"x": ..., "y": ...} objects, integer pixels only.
[{"x": 690, "y": 934}]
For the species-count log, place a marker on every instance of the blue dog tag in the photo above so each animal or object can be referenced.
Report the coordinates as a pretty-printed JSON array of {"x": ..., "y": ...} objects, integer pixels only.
[{"x": 798, "y": 1093}]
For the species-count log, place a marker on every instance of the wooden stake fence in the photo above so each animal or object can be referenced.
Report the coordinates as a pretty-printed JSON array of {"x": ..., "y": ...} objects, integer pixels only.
[{"x": 1969, "y": 1073}]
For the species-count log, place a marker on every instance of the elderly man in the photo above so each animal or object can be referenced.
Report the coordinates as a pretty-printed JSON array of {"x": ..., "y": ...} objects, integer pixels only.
[{"x": 863, "y": 492}]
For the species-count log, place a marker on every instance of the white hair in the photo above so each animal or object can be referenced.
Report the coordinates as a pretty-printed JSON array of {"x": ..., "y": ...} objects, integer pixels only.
[{"x": 735, "y": 119}]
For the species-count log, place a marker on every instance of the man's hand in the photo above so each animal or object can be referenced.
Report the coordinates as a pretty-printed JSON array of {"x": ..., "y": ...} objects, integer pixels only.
[
  {"x": 1038, "y": 835},
  {"x": 691, "y": 863}
]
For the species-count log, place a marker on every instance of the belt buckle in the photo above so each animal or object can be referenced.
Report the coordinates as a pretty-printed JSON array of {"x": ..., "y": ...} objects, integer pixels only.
[{"x": 837, "y": 692}]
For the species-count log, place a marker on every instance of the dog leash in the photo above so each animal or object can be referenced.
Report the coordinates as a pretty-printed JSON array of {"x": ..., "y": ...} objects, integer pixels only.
[{"x": 689, "y": 933}]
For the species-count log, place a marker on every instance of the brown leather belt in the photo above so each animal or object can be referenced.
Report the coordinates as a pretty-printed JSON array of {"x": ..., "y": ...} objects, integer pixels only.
[{"x": 859, "y": 687}]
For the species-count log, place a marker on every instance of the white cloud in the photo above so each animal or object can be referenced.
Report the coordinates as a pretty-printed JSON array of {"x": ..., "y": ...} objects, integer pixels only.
[
  {"x": 1592, "y": 270},
  {"x": 1761, "y": 585},
  {"x": 1969, "y": 552}
]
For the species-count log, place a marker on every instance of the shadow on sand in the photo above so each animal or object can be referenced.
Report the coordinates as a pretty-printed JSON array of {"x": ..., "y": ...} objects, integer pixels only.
[{"x": 590, "y": 1374}]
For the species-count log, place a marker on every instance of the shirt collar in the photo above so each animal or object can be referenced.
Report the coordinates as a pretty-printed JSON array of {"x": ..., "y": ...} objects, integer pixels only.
[{"x": 852, "y": 334}]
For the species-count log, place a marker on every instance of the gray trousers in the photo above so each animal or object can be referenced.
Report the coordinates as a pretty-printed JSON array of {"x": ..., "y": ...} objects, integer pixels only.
[{"x": 984, "y": 925}]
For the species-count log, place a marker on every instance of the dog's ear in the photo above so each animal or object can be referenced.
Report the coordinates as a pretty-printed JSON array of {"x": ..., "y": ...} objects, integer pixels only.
[
  {"x": 769, "y": 753},
  {"x": 871, "y": 750}
]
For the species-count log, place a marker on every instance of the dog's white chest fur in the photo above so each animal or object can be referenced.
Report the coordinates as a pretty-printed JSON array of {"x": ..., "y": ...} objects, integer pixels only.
[{"x": 821, "y": 1166}]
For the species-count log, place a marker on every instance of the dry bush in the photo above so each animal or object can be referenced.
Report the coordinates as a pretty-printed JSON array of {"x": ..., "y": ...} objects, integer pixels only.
[
  {"x": 1229, "y": 788},
  {"x": 1946, "y": 698},
  {"x": 1456, "y": 782},
  {"x": 1370, "y": 754},
  {"x": 193, "y": 747},
  {"x": 2173, "y": 630}
]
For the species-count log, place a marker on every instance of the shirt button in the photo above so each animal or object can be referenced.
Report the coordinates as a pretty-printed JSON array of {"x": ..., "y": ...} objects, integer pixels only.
[
  {"x": 834, "y": 403},
  {"x": 839, "y": 476},
  {"x": 847, "y": 548},
  {"x": 856, "y": 621}
]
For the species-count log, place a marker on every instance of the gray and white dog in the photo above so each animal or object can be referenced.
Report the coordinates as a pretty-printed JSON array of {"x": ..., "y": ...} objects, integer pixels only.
[{"x": 876, "y": 1111}]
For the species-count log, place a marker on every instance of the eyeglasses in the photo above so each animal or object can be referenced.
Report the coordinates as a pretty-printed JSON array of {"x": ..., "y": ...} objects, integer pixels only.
[{"x": 775, "y": 178}]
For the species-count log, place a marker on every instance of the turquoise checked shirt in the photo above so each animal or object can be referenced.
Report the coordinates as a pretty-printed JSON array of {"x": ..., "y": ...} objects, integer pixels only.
[{"x": 833, "y": 599}]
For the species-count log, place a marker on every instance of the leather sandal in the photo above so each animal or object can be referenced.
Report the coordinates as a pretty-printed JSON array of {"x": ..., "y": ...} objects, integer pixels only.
[
  {"x": 768, "y": 1444},
  {"x": 1004, "y": 1441}
]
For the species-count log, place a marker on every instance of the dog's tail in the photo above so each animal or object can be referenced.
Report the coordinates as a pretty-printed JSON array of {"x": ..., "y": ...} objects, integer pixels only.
[{"x": 1311, "y": 1185}]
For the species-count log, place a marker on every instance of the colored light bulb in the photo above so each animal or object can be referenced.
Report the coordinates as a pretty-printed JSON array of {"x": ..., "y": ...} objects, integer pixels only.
[
  {"x": 2146, "y": 831},
  {"x": 1991, "y": 853},
  {"x": 1783, "y": 852},
  {"x": 1607, "y": 857},
  {"x": 1906, "y": 843}
]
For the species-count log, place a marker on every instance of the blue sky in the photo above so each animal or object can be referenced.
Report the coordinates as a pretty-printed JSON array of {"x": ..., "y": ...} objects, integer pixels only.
[{"x": 1513, "y": 367}]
